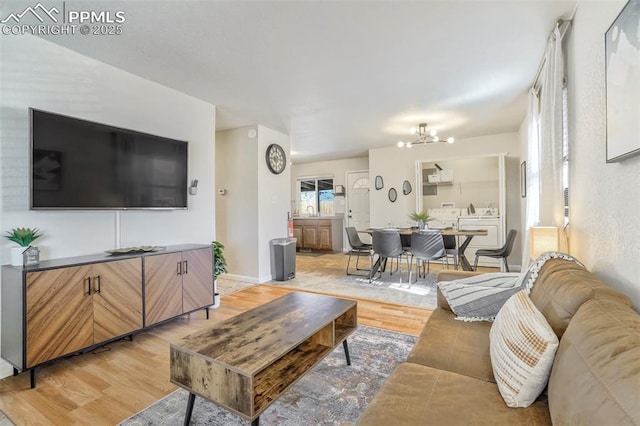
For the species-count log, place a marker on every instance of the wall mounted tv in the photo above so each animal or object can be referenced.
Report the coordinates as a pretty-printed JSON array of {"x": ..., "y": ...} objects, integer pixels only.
[{"x": 78, "y": 164}]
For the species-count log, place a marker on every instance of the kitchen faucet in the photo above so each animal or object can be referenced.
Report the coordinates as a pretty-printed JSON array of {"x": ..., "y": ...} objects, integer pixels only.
[{"x": 313, "y": 210}]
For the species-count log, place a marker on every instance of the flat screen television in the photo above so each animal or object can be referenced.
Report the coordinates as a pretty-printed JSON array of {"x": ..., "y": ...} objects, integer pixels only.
[{"x": 78, "y": 164}]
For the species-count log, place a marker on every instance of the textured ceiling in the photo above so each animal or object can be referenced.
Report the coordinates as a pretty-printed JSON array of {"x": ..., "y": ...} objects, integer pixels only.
[{"x": 339, "y": 77}]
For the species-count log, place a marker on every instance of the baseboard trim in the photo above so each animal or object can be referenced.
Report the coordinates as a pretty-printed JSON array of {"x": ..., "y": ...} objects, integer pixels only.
[{"x": 243, "y": 278}]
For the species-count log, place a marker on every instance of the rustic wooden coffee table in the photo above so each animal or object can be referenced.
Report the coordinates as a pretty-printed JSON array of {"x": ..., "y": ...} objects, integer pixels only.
[{"x": 246, "y": 362}]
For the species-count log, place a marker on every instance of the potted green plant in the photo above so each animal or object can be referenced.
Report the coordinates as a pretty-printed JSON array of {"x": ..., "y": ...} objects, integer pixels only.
[
  {"x": 219, "y": 267},
  {"x": 23, "y": 237},
  {"x": 420, "y": 217},
  {"x": 219, "y": 262}
]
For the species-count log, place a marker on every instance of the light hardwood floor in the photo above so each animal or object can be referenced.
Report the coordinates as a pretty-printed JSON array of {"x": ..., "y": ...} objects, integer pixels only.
[{"x": 115, "y": 382}]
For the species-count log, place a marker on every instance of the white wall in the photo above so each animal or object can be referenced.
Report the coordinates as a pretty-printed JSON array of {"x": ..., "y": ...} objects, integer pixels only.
[
  {"x": 604, "y": 199},
  {"x": 273, "y": 199},
  {"x": 36, "y": 73},
  {"x": 236, "y": 211},
  {"x": 335, "y": 168},
  {"x": 254, "y": 210},
  {"x": 396, "y": 165}
]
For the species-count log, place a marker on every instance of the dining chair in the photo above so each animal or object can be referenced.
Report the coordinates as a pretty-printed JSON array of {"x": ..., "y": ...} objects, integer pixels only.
[
  {"x": 358, "y": 248},
  {"x": 503, "y": 252},
  {"x": 387, "y": 245},
  {"x": 426, "y": 246},
  {"x": 451, "y": 248}
]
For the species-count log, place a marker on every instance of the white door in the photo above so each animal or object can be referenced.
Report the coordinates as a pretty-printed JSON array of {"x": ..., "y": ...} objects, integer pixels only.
[{"x": 358, "y": 202}]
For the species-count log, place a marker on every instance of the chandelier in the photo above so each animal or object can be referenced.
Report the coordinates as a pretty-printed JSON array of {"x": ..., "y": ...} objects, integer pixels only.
[{"x": 424, "y": 136}]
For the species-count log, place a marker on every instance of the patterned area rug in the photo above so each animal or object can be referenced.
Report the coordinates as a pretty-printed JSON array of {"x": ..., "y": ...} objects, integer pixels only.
[
  {"x": 387, "y": 288},
  {"x": 330, "y": 394}
]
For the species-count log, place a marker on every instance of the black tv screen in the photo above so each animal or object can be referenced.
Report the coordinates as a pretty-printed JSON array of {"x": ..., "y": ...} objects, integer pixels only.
[{"x": 78, "y": 164}]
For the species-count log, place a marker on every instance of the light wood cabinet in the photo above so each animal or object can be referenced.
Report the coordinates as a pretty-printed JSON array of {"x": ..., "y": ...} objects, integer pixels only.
[
  {"x": 67, "y": 306},
  {"x": 163, "y": 287},
  {"x": 324, "y": 237},
  {"x": 71, "y": 308},
  {"x": 310, "y": 236},
  {"x": 297, "y": 234},
  {"x": 319, "y": 234},
  {"x": 197, "y": 279},
  {"x": 177, "y": 283}
]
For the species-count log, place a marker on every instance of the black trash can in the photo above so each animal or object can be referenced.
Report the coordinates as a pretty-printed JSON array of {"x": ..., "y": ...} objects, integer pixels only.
[{"x": 283, "y": 258}]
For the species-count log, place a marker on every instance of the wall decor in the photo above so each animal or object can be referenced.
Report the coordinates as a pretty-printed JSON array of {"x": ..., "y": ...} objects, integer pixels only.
[
  {"x": 379, "y": 182},
  {"x": 393, "y": 195},
  {"x": 276, "y": 159},
  {"x": 406, "y": 187},
  {"x": 622, "y": 52},
  {"x": 523, "y": 179}
]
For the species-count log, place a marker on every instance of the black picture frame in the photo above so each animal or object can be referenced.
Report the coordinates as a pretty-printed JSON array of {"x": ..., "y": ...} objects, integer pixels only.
[
  {"x": 622, "y": 74},
  {"x": 523, "y": 179},
  {"x": 406, "y": 187}
]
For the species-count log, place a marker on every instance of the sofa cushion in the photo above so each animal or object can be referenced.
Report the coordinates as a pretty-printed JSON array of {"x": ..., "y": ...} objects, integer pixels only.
[
  {"x": 563, "y": 286},
  {"x": 522, "y": 346},
  {"x": 456, "y": 346},
  {"x": 596, "y": 375},
  {"x": 417, "y": 395}
]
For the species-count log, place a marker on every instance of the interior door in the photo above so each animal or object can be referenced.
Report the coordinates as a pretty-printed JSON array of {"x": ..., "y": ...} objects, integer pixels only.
[
  {"x": 358, "y": 202},
  {"x": 117, "y": 298}
]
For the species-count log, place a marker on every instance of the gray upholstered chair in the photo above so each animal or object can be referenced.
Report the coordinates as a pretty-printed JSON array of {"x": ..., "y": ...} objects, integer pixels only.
[
  {"x": 426, "y": 246},
  {"x": 451, "y": 248},
  {"x": 387, "y": 245},
  {"x": 502, "y": 252},
  {"x": 358, "y": 248}
]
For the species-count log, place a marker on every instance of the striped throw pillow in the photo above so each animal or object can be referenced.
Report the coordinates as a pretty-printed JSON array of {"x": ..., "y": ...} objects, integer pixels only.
[{"x": 522, "y": 348}]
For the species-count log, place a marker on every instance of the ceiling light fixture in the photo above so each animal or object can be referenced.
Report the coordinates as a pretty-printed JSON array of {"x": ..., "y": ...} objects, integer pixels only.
[{"x": 424, "y": 136}]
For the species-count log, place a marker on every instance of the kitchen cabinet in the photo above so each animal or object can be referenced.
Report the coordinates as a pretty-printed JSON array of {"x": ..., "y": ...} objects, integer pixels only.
[
  {"x": 71, "y": 308},
  {"x": 297, "y": 234},
  {"x": 177, "y": 283},
  {"x": 321, "y": 233}
]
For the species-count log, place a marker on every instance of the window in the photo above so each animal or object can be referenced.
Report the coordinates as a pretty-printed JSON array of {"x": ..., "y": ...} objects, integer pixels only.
[
  {"x": 316, "y": 196},
  {"x": 565, "y": 152}
]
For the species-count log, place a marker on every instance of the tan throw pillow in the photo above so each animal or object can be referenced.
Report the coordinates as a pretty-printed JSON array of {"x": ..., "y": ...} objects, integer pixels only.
[{"x": 522, "y": 348}]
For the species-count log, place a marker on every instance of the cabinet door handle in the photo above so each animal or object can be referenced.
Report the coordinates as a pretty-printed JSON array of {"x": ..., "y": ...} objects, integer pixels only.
[
  {"x": 98, "y": 282},
  {"x": 185, "y": 266},
  {"x": 87, "y": 281},
  {"x": 179, "y": 268}
]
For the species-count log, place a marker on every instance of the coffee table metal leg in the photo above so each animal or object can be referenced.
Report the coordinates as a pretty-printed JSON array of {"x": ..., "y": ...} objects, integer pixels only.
[
  {"x": 346, "y": 351},
  {"x": 187, "y": 416},
  {"x": 256, "y": 422}
]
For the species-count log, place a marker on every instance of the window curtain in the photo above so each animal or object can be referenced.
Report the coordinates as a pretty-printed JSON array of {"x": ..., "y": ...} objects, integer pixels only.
[{"x": 545, "y": 202}]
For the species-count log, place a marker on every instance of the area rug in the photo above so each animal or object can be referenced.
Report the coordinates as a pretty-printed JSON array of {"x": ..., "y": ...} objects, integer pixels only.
[
  {"x": 387, "y": 288},
  {"x": 330, "y": 394}
]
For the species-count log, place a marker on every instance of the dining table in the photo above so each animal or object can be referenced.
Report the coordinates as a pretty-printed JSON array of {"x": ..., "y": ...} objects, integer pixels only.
[{"x": 467, "y": 233}]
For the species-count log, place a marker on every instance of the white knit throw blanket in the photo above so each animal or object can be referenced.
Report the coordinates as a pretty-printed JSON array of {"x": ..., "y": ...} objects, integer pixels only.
[{"x": 479, "y": 298}]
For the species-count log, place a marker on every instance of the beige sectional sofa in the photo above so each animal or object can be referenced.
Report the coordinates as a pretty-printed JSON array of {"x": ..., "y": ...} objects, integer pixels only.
[{"x": 595, "y": 379}]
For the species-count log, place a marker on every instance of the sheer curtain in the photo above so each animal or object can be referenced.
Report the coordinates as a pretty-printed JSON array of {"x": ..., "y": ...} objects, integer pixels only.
[{"x": 545, "y": 197}]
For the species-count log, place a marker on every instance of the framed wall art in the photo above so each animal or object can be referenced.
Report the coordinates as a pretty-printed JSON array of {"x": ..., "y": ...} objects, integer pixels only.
[{"x": 622, "y": 53}]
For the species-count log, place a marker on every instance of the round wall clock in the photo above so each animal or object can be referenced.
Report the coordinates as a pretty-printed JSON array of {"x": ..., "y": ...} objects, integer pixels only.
[{"x": 276, "y": 158}]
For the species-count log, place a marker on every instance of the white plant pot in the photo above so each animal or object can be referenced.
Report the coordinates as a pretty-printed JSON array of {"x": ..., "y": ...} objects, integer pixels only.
[
  {"x": 16, "y": 255},
  {"x": 216, "y": 296}
]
